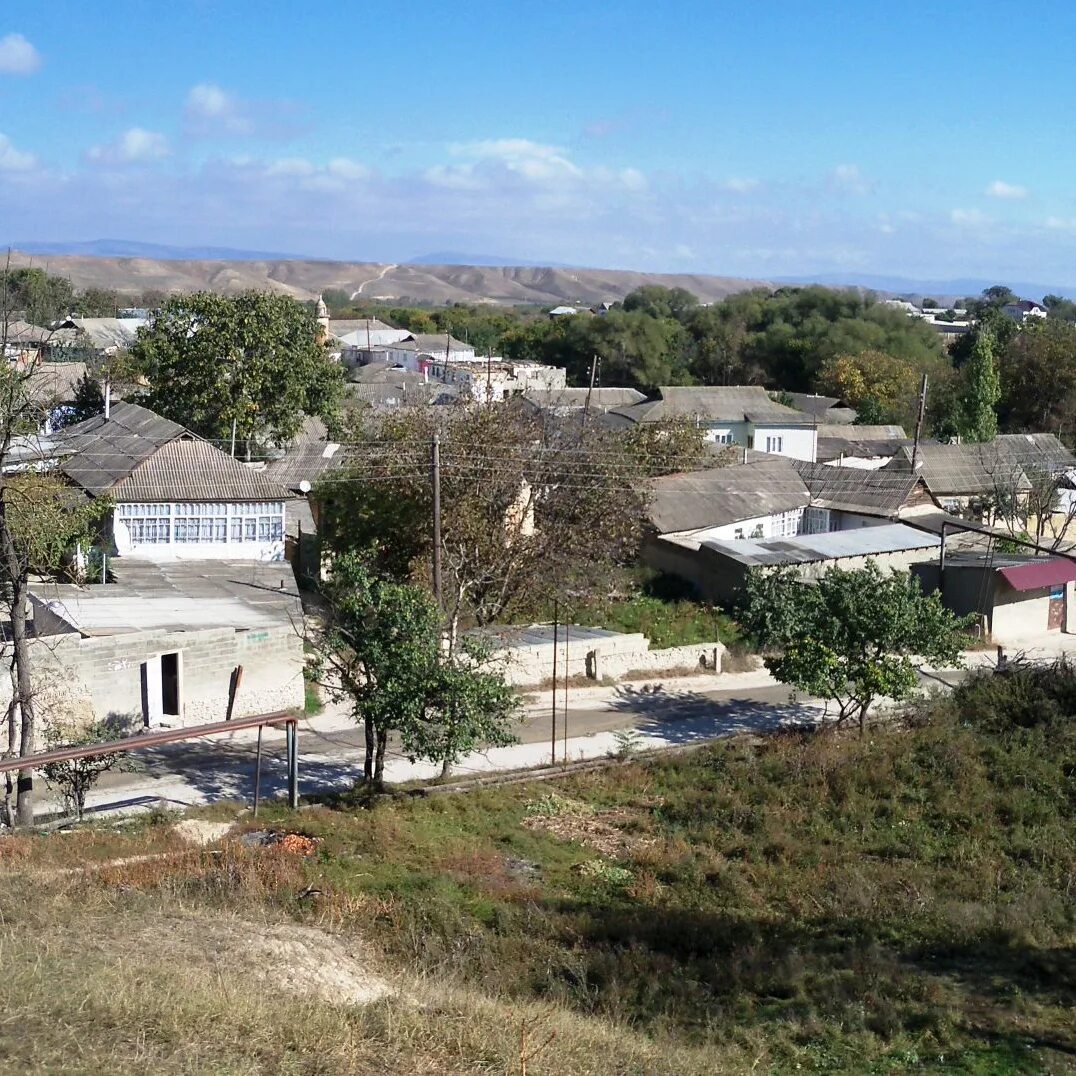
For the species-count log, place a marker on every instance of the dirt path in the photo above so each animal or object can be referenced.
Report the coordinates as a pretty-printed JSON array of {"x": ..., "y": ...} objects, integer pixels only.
[{"x": 373, "y": 280}]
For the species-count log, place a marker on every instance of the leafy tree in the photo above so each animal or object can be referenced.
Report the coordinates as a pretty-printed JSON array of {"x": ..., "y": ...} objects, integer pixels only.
[
  {"x": 661, "y": 302},
  {"x": 982, "y": 391},
  {"x": 849, "y": 638},
  {"x": 1038, "y": 378},
  {"x": 36, "y": 296},
  {"x": 1059, "y": 307},
  {"x": 251, "y": 362},
  {"x": 530, "y": 506},
  {"x": 76, "y": 777},
  {"x": 89, "y": 400},
  {"x": 382, "y": 641},
  {"x": 880, "y": 387}
]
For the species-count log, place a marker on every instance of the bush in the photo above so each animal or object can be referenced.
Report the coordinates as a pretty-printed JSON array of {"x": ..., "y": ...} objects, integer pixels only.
[{"x": 1020, "y": 696}]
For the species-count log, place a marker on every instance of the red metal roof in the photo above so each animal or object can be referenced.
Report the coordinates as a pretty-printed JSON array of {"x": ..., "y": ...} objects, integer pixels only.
[{"x": 1038, "y": 574}]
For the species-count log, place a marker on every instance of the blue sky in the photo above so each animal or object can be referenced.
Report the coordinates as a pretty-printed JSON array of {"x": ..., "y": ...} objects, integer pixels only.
[{"x": 740, "y": 139}]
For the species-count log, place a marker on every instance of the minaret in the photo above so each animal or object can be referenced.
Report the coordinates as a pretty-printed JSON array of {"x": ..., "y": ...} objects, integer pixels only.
[{"x": 321, "y": 311}]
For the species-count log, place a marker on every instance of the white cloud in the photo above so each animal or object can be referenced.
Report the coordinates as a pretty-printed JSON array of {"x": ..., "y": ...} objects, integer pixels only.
[
  {"x": 291, "y": 166},
  {"x": 968, "y": 217},
  {"x": 209, "y": 101},
  {"x": 343, "y": 168},
  {"x": 532, "y": 160},
  {"x": 848, "y": 177},
  {"x": 135, "y": 146},
  {"x": 18, "y": 56},
  {"x": 1000, "y": 189},
  {"x": 12, "y": 159},
  {"x": 740, "y": 185},
  {"x": 213, "y": 112}
]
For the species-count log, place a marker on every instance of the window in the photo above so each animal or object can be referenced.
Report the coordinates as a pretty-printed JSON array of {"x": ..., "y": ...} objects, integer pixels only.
[
  {"x": 724, "y": 438},
  {"x": 816, "y": 521},
  {"x": 774, "y": 443},
  {"x": 189, "y": 523}
]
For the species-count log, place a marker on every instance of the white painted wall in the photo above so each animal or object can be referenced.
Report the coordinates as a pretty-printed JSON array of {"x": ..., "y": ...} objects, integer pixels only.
[{"x": 797, "y": 442}]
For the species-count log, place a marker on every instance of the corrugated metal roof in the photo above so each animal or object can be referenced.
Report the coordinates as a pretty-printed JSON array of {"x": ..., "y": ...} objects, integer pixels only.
[
  {"x": 1038, "y": 574},
  {"x": 104, "y": 333},
  {"x": 810, "y": 548},
  {"x": 861, "y": 433},
  {"x": 193, "y": 470},
  {"x": 712, "y": 498}
]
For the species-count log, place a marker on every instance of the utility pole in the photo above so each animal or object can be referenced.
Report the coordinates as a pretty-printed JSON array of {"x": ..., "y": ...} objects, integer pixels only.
[
  {"x": 233, "y": 438},
  {"x": 919, "y": 423},
  {"x": 556, "y": 615},
  {"x": 586, "y": 406},
  {"x": 567, "y": 673},
  {"x": 489, "y": 375},
  {"x": 435, "y": 480}
]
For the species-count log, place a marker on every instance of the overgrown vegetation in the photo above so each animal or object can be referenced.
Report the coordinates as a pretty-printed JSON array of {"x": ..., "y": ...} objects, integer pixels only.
[{"x": 813, "y": 902}]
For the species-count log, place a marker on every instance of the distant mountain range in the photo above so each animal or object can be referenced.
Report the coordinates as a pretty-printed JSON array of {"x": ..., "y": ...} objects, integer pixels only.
[
  {"x": 440, "y": 277},
  {"x": 141, "y": 266},
  {"x": 127, "y": 248}
]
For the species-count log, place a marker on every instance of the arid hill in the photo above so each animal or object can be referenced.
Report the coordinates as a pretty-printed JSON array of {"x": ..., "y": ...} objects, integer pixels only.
[{"x": 399, "y": 283}]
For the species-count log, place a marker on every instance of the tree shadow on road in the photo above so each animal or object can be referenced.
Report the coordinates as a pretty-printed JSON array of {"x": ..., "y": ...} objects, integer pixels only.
[{"x": 682, "y": 717}]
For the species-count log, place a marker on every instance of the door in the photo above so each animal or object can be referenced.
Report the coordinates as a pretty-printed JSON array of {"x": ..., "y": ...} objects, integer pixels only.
[
  {"x": 170, "y": 685},
  {"x": 1056, "y": 617}
]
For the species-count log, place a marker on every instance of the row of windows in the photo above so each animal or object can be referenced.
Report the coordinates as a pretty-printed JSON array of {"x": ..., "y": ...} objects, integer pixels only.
[
  {"x": 160, "y": 524},
  {"x": 187, "y": 508}
]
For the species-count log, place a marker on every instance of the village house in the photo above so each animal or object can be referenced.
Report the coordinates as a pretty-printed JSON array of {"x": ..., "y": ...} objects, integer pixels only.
[
  {"x": 764, "y": 501},
  {"x": 568, "y": 401},
  {"x": 983, "y": 481},
  {"x": 865, "y": 447},
  {"x": 1012, "y": 597},
  {"x": 175, "y": 496},
  {"x": 174, "y": 643},
  {"x": 823, "y": 409},
  {"x": 1022, "y": 309},
  {"x": 106, "y": 336},
  {"x": 733, "y": 415}
]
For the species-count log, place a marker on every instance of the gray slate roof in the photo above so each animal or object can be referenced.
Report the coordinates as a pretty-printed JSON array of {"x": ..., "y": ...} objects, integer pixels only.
[
  {"x": 575, "y": 398},
  {"x": 304, "y": 462},
  {"x": 1036, "y": 452},
  {"x": 105, "y": 333},
  {"x": 860, "y": 442},
  {"x": 824, "y": 408},
  {"x": 189, "y": 469},
  {"x": 716, "y": 403},
  {"x": 343, "y": 326},
  {"x": 856, "y": 490},
  {"x": 964, "y": 470},
  {"x": 713, "y": 498},
  {"x": 811, "y": 548},
  {"x": 137, "y": 455}
]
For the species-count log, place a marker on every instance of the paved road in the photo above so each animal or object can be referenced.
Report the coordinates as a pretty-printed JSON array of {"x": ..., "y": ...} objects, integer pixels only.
[{"x": 331, "y": 747}]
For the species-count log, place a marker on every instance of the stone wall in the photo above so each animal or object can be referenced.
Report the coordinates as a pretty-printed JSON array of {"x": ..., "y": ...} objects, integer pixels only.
[
  {"x": 699, "y": 657},
  {"x": 105, "y": 677}
]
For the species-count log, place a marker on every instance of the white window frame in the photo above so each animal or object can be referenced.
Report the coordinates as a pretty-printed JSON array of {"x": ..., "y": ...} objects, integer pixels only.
[
  {"x": 186, "y": 523},
  {"x": 775, "y": 443}
]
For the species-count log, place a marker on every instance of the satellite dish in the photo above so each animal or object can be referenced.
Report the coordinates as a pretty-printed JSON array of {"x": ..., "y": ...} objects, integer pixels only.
[{"x": 304, "y": 486}]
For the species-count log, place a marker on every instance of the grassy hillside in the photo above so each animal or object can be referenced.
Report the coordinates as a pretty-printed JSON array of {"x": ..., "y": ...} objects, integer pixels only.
[{"x": 902, "y": 902}]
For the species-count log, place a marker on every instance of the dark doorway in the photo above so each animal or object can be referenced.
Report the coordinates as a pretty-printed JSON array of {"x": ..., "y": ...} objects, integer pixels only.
[{"x": 170, "y": 684}]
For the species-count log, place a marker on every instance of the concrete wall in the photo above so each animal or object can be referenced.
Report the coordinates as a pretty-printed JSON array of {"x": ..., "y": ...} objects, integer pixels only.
[
  {"x": 105, "y": 677},
  {"x": 613, "y": 657},
  {"x": 797, "y": 442}
]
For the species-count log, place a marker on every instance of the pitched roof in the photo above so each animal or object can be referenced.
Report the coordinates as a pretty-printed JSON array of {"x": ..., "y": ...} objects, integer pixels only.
[
  {"x": 859, "y": 442},
  {"x": 23, "y": 332},
  {"x": 55, "y": 382},
  {"x": 342, "y": 326},
  {"x": 432, "y": 344},
  {"x": 1038, "y": 452},
  {"x": 136, "y": 455},
  {"x": 853, "y": 489},
  {"x": 108, "y": 332},
  {"x": 304, "y": 462},
  {"x": 812, "y": 404},
  {"x": 576, "y": 398},
  {"x": 189, "y": 469},
  {"x": 811, "y": 548},
  {"x": 964, "y": 470},
  {"x": 717, "y": 403},
  {"x": 698, "y": 499},
  {"x": 102, "y": 451}
]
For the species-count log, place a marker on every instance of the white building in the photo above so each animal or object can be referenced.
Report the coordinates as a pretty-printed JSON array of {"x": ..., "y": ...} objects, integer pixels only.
[
  {"x": 1022, "y": 309},
  {"x": 175, "y": 496},
  {"x": 734, "y": 415}
]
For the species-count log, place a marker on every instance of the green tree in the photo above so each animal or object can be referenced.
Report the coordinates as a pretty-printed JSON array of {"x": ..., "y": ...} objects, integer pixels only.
[
  {"x": 880, "y": 387},
  {"x": 660, "y": 302},
  {"x": 77, "y": 776},
  {"x": 36, "y": 296},
  {"x": 249, "y": 363},
  {"x": 529, "y": 507},
  {"x": 849, "y": 638},
  {"x": 982, "y": 390},
  {"x": 1038, "y": 378},
  {"x": 382, "y": 641}
]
